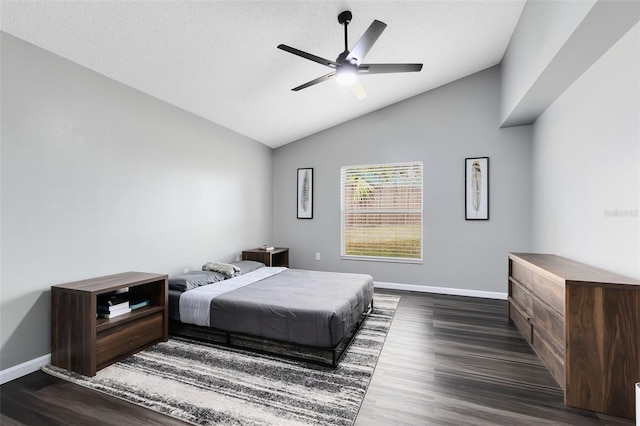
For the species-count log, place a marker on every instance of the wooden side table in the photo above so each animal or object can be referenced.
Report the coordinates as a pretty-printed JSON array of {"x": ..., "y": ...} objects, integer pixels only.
[
  {"x": 83, "y": 343},
  {"x": 279, "y": 256}
]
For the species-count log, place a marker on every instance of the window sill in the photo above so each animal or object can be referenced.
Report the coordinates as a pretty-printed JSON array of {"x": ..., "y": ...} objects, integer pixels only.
[{"x": 382, "y": 259}]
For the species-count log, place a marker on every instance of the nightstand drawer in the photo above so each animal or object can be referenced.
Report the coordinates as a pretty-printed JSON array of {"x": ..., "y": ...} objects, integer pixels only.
[{"x": 117, "y": 341}]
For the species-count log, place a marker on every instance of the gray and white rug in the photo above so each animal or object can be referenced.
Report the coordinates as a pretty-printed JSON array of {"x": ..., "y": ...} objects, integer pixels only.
[{"x": 208, "y": 385}]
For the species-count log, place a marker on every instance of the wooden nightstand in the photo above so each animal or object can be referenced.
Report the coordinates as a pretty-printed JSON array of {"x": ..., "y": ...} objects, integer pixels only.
[
  {"x": 279, "y": 256},
  {"x": 83, "y": 343}
]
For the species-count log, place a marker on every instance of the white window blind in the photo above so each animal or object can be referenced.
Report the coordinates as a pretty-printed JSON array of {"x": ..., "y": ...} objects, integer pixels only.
[{"x": 382, "y": 212}]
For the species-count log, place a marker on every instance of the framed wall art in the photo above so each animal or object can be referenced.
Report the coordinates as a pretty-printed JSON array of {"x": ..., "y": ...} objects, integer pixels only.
[
  {"x": 476, "y": 188},
  {"x": 305, "y": 193}
]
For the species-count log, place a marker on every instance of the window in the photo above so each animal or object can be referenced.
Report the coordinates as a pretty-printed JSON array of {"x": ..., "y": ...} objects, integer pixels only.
[{"x": 382, "y": 212}]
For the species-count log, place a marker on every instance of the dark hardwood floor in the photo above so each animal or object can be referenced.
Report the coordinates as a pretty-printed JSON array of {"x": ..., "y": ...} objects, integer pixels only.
[{"x": 447, "y": 361}]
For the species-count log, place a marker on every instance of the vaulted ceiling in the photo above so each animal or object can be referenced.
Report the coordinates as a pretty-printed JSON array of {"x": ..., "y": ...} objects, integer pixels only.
[{"x": 218, "y": 59}]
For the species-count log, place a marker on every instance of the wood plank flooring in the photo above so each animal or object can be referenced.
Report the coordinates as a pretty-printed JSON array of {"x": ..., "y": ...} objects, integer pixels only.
[{"x": 447, "y": 360}]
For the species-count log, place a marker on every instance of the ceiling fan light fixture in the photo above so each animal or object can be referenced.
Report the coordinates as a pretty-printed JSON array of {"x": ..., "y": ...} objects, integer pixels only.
[
  {"x": 346, "y": 74},
  {"x": 349, "y": 64}
]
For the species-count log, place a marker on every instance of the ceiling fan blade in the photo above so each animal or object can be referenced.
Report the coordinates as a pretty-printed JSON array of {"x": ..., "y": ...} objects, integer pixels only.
[
  {"x": 388, "y": 68},
  {"x": 315, "y": 81},
  {"x": 308, "y": 56},
  {"x": 358, "y": 90},
  {"x": 367, "y": 40}
]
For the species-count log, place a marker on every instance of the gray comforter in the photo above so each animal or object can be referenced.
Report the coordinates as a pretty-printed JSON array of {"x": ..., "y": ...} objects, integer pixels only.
[{"x": 304, "y": 307}]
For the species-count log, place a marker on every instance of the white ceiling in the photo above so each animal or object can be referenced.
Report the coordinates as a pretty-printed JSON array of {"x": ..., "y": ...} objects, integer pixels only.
[{"x": 218, "y": 59}]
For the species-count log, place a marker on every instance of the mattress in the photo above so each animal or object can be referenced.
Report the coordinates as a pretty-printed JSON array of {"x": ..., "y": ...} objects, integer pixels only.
[{"x": 312, "y": 308}]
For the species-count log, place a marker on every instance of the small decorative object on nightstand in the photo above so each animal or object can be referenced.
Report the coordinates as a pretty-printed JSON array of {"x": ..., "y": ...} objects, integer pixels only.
[{"x": 279, "y": 256}]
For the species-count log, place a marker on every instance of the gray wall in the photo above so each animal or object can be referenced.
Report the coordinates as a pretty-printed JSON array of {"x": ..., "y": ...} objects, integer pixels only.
[
  {"x": 554, "y": 43},
  {"x": 544, "y": 27},
  {"x": 98, "y": 178},
  {"x": 586, "y": 165},
  {"x": 441, "y": 128},
  {"x": 576, "y": 63}
]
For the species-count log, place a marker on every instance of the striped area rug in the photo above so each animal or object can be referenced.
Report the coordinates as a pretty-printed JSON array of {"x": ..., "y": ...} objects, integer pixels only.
[{"x": 205, "y": 384}]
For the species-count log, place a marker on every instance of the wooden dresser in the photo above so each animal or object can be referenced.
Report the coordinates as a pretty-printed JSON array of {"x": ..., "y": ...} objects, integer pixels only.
[{"x": 584, "y": 324}]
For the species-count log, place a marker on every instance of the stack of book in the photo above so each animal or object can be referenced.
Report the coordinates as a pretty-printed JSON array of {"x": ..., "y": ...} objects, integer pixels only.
[
  {"x": 137, "y": 301},
  {"x": 266, "y": 247},
  {"x": 111, "y": 305}
]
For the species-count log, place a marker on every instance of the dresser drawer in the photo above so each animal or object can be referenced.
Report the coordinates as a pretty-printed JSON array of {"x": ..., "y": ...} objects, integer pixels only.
[
  {"x": 550, "y": 320},
  {"x": 521, "y": 321},
  {"x": 551, "y": 292},
  {"x": 551, "y": 354},
  {"x": 521, "y": 273},
  {"x": 522, "y": 296},
  {"x": 117, "y": 342}
]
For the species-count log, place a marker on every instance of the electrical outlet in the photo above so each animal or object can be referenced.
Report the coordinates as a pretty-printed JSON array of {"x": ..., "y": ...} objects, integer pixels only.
[
  {"x": 185, "y": 270},
  {"x": 317, "y": 256}
]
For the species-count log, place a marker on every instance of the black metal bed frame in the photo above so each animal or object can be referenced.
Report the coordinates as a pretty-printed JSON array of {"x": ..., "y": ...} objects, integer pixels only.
[{"x": 305, "y": 353}]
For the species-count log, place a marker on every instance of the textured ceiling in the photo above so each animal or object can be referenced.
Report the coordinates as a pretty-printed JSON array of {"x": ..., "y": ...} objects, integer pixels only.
[{"x": 218, "y": 59}]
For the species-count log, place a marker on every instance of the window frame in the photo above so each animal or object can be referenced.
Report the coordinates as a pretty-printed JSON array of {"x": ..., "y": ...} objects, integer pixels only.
[{"x": 344, "y": 211}]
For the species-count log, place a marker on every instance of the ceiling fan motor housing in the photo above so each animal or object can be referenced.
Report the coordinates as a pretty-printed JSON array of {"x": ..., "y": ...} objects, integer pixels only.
[{"x": 345, "y": 17}]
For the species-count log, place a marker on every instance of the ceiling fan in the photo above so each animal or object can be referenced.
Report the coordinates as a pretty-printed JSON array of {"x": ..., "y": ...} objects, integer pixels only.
[{"x": 349, "y": 64}]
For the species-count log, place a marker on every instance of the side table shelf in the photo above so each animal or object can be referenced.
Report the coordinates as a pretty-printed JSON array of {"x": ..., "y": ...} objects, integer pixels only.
[{"x": 85, "y": 344}]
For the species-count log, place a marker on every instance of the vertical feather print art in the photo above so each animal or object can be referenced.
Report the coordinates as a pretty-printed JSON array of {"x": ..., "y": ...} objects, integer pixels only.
[
  {"x": 477, "y": 188},
  {"x": 305, "y": 193},
  {"x": 304, "y": 196},
  {"x": 476, "y": 176}
]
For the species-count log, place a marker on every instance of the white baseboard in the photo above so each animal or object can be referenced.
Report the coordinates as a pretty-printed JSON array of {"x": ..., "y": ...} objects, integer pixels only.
[
  {"x": 23, "y": 369},
  {"x": 442, "y": 290}
]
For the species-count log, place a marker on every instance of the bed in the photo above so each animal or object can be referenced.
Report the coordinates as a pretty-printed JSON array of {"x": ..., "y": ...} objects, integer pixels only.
[{"x": 309, "y": 315}]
